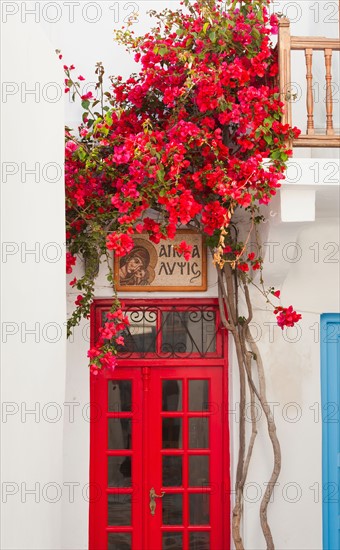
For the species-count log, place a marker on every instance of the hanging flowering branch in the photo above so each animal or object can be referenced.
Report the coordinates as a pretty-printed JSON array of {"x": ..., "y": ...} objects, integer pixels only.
[{"x": 190, "y": 141}]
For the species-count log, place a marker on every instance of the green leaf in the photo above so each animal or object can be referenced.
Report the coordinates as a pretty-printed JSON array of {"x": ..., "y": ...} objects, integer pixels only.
[
  {"x": 268, "y": 139},
  {"x": 163, "y": 50},
  {"x": 85, "y": 104},
  {"x": 256, "y": 33},
  {"x": 81, "y": 153},
  {"x": 276, "y": 155},
  {"x": 212, "y": 36},
  {"x": 205, "y": 27}
]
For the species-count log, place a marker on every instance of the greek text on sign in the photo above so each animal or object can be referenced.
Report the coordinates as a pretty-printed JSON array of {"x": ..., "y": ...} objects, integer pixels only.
[{"x": 153, "y": 267}]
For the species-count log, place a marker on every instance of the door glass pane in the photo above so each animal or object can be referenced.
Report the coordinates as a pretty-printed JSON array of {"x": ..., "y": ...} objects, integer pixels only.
[
  {"x": 172, "y": 541},
  {"x": 199, "y": 541},
  {"x": 119, "y": 541},
  {"x": 188, "y": 332},
  {"x": 119, "y": 471},
  {"x": 119, "y": 433},
  {"x": 172, "y": 509},
  {"x": 119, "y": 509},
  {"x": 172, "y": 471},
  {"x": 140, "y": 335},
  {"x": 199, "y": 508},
  {"x": 119, "y": 395},
  {"x": 198, "y": 395},
  {"x": 198, "y": 433},
  {"x": 198, "y": 471},
  {"x": 172, "y": 433},
  {"x": 172, "y": 395}
]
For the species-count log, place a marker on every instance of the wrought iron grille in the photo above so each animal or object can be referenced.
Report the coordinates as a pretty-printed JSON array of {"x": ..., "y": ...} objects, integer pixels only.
[{"x": 171, "y": 332}]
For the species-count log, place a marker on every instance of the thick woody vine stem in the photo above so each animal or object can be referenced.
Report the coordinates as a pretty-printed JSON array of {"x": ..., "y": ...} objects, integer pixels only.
[{"x": 248, "y": 355}]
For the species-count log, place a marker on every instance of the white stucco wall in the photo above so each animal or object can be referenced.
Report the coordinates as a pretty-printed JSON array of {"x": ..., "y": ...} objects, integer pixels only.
[
  {"x": 292, "y": 363},
  {"x": 33, "y": 305},
  {"x": 46, "y": 452}
]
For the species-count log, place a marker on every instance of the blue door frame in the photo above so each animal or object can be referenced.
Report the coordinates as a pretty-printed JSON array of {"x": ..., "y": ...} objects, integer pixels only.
[{"x": 330, "y": 393}]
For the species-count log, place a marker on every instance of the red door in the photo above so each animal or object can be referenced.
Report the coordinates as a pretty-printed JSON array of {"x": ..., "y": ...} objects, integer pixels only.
[{"x": 159, "y": 455}]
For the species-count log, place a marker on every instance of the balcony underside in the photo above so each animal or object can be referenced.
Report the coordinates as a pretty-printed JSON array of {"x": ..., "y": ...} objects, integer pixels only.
[{"x": 305, "y": 140}]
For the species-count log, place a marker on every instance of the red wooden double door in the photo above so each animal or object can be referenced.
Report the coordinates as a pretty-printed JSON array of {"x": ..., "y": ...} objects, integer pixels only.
[{"x": 159, "y": 434}]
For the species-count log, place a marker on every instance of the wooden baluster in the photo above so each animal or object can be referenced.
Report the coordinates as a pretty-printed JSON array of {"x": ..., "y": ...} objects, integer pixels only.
[
  {"x": 310, "y": 99},
  {"x": 285, "y": 70},
  {"x": 329, "y": 98}
]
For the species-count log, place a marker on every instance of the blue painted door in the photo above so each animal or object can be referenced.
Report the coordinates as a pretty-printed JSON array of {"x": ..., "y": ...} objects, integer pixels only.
[{"x": 330, "y": 383}]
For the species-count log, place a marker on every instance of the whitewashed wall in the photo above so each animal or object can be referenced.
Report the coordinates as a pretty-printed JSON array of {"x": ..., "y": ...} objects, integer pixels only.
[
  {"x": 302, "y": 372},
  {"x": 83, "y": 31},
  {"x": 310, "y": 282},
  {"x": 33, "y": 304}
]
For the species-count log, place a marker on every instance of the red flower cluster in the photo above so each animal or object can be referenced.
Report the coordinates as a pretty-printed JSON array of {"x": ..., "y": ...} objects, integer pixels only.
[
  {"x": 70, "y": 262},
  {"x": 101, "y": 356},
  {"x": 194, "y": 136},
  {"x": 119, "y": 242},
  {"x": 185, "y": 249},
  {"x": 286, "y": 316},
  {"x": 153, "y": 148}
]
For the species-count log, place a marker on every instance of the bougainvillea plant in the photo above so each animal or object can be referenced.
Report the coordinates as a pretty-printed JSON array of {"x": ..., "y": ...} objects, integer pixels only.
[{"x": 195, "y": 140}]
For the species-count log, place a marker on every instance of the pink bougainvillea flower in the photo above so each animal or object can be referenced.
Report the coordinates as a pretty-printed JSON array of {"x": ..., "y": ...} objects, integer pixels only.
[
  {"x": 71, "y": 146},
  {"x": 184, "y": 249},
  {"x": 243, "y": 267},
  {"x": 87, "y": 96},
  {"x": 92, "y": 353},
  {"x": 108, "y": 361},
  {"x": 94, "y": 369},
  {"x": 70, "y": 262},
  {"x": 227, "y": 250},
  {"x": 119, "y": 242},
  {"x": 139, "y": 228},
  {"x": 286, "y": 316},
  {"x": 79, "y": 300},
  {"x": 121, "y": 155}
]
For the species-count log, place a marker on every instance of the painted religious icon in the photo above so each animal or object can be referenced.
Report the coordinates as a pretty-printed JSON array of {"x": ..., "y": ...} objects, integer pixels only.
[
  {"x": 138, "y": 267},
  {"x": 153, "y": 267}
]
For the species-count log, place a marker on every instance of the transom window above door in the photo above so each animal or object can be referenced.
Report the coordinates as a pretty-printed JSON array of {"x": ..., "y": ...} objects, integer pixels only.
[{"x": 170, "y": 329}]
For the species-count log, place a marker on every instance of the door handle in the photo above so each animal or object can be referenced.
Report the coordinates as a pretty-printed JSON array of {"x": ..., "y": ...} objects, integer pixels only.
[{"x": 153, "y": 497}]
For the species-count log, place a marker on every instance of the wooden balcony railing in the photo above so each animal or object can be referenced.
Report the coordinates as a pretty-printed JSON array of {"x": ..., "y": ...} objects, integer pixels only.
[{"x": 286, "y": 44}]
